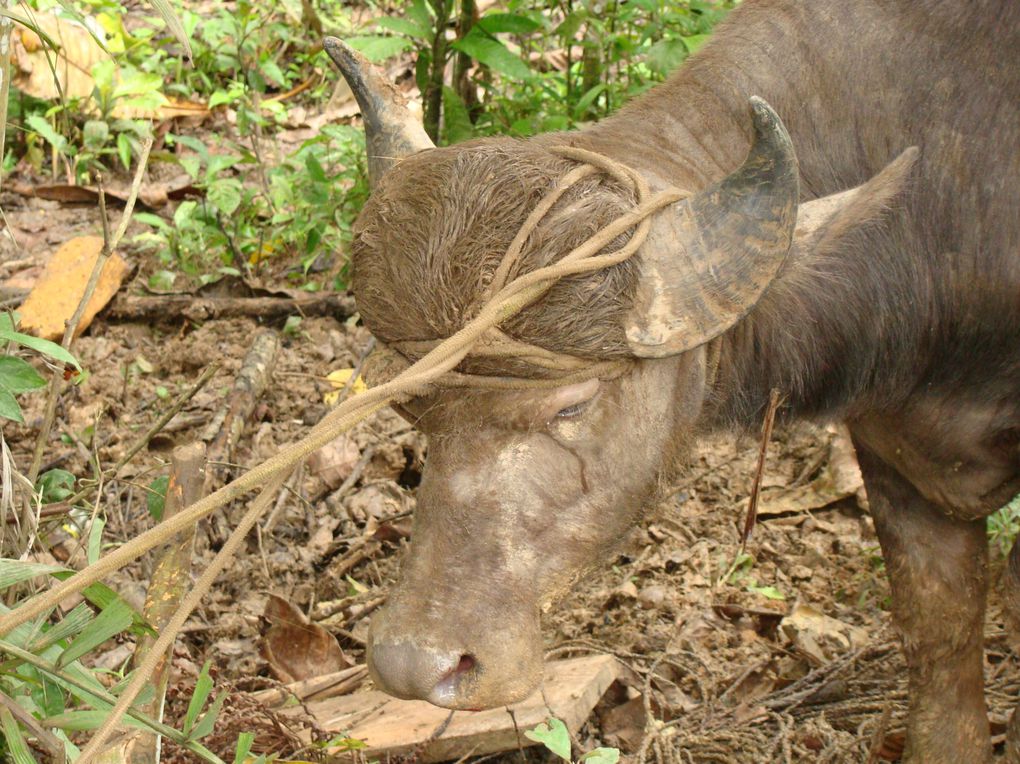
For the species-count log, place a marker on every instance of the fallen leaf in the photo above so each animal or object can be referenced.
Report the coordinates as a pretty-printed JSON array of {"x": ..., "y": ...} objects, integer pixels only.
[
  {"x": 339, "y": 380},
  {"x": 66, "y": 73},
  {"x": 335, "y": 461},
  {"x": 820, "y": 637},
  {"x": 56, "y": 295},
  {"x": 295, "y": 648}
]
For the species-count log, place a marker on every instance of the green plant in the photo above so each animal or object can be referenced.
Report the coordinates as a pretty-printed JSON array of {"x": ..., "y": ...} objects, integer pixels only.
[
  {"x": 1004, "y": 525},
  {"x": 539, "y": 65},
  {"x": 43, "y": 674},
  {"x": 738, "y": 572},
  {"x": 17, "y": 376},
  {"x": 305, "y": 205},
  {"x": 554, "y": 736}
]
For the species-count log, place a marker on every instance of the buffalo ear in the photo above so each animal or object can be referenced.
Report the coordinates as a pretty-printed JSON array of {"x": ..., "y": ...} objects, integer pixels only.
[
  {"x": 391, "y": 130},
  {"x": 824, "y": 225},
  {"x": 708, "y": 259}
]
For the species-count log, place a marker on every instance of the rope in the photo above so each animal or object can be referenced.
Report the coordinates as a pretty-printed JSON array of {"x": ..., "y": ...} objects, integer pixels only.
[{"x": 560, "y": 368}]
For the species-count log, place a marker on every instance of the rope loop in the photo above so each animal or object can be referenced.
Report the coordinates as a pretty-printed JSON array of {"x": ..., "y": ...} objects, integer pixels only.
[{"x": 505, "y": 298}]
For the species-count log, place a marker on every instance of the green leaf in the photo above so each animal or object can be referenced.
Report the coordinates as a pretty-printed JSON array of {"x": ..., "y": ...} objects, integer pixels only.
[
  {"x": 95, "y": 134},
  {"x": 18, "y": 376},
  {"x": 408, "y": 27},
  {"x": 553, "y": 735},
  {"x": 208, "y": 721},
  {"x": 47, "y": 348},
  {"x": 55, "y": 485},
  {"x": 66, "y": 627},
  {"x": 420, "y": 13},
  {"x": 314, "y": 167},
  {"x": 9, "y": 408},
  {"x": 16, "y": 571},
  {"x": 456, "y": 120},
  {"x": 585, "y": 101},
  {"x": 124, "y": 149},
  {"x": 695, "y": 41},
  {"x": 48, "y": 695},
  {"x": 511, "y": 23},
  {"x": 112, "y": 620},
  {"x": 244, "y": 743},
  {"x": 17, "y": 747},
  {"x": 42, "y": 126},
  {"x": 494, "y": 54},
  {"x": 83, "y": 721},
  {"x": 665, "y": 55},
  {"x": 203, "y": 686},
  {"x": 162, "y": 281},
  {"x": 184, "y": 213},
  {"x": 602, "y": 756},
  {"x": 155, "y": 499},
  {"x": 769, "y": 592},
  {"x": 95, "y": 538},
  {"x": 173, "y": 24},
  {"x": 225, "y": 195},
  {"x": 376, "y": 48}
]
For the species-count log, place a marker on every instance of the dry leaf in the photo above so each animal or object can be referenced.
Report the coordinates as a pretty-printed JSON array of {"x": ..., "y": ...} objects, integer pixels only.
[
  {"x": 72, "y": 64},
  {"x": 70, "y": 75},
  {"x": 339, "y": 380},
  {"x": 295, "y": 648},
  {"x": 335, "y": 461},
  {"x": 820, "y": 637},
  {"x": 56, "y": 295}
]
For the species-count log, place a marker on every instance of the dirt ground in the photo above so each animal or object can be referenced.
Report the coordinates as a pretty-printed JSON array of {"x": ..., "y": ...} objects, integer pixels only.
[{"x": 784, "y": 655}]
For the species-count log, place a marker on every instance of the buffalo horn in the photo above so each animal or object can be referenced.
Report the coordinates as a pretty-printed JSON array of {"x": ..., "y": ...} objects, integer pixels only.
[
  {"x": 708, "y": 260},
  {"x": 391, "y": 130}
]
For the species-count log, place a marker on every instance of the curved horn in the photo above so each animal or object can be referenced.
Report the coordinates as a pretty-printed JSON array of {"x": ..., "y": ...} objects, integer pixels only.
[
  {"x": 391, "y": 131},
  {"x": 707, "y": 260}
]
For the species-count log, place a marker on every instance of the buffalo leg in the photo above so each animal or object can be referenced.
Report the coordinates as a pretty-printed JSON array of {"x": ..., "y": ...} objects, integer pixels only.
[{"x": 937, "y": 568}]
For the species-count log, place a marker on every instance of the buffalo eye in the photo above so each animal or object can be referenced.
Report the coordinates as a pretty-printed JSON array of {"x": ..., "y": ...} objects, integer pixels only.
[{"x": 572, "y": 411}]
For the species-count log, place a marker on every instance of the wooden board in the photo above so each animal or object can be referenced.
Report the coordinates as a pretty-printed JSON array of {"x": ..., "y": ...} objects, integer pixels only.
[{"x": 392, "y": 727}]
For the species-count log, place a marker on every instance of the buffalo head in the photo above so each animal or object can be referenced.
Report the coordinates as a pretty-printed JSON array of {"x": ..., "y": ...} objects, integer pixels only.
[{"x": 523, "y": 491}]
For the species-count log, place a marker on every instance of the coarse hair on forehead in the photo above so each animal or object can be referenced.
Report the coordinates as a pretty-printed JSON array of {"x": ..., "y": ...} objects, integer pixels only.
[{"x": 439, "y": 223}]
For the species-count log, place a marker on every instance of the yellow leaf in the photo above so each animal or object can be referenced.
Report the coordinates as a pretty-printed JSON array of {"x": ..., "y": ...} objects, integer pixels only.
[
  {"x": 339, "y": 379},
  {"x": 62, "y": 285}
]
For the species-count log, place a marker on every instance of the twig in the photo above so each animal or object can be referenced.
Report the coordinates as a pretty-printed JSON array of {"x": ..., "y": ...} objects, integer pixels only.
[
  {"x": 878, "y": 738},
  {"x": 157, "y": 427},
  {"x": 6, "y": 25},
  {"x": 766, "y": 435},
  {"x": 71, "y": 327}
]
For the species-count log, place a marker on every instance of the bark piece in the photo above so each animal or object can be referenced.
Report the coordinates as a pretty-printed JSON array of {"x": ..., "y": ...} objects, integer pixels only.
[
  {"x": 170, "y": 582},
  {"x": 176, "y": 307},
  {"x": 252, "y": 380},
  {"x": 393, "y": 728}
]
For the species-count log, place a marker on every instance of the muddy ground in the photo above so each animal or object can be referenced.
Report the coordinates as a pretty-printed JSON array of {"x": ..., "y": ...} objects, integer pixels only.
[{"x": 786, "y": 655}]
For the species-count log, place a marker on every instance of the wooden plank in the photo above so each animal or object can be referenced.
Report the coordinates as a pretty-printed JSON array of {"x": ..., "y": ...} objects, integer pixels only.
[{"x": 392, "y": 727}]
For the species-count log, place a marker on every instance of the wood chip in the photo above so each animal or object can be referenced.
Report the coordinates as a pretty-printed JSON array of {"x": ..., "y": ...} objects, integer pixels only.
[{"x": 393, "y": 728}]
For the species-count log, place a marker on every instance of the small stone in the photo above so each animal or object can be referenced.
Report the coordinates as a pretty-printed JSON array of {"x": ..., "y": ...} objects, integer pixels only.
[
  {"x": 801, "y": 573},
  {"x": 652, "y": 597}
]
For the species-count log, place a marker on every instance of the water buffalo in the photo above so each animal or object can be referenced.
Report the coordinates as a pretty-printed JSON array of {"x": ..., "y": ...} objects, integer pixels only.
[{"x": 872, "y": 278}]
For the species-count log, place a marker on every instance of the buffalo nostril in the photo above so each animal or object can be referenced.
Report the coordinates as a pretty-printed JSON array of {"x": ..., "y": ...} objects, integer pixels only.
[
  {"x": 465, "y": 664},
  {"x": 448, "y": 688}
]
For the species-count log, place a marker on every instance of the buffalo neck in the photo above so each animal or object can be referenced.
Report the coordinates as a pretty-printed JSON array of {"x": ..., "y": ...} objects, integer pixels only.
[{"x": 855, "y": 330}]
